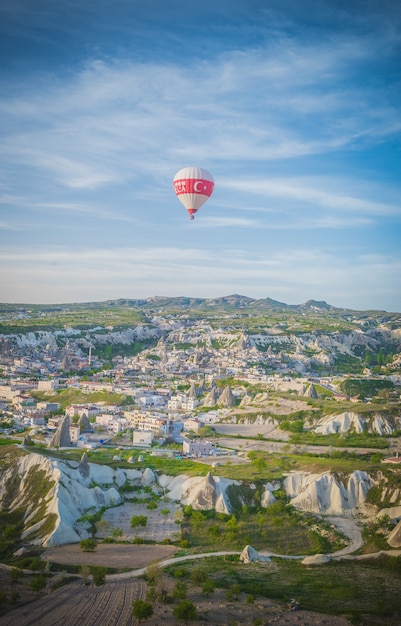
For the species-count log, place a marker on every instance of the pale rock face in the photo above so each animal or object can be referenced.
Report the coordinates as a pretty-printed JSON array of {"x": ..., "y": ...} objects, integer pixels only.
[
  {"x": 267, "y": 498},
  {"x": 316, "y": 559},
  {"x": 343, "y": 422},
  {"x": 394, "y": 539},
  {"x": 250, "y": 555},
  {"x": 340, "y": 424},
  {"x": 78, "y": 488},
  {"x": 202, "y": 492},
  {"x": 148, "y": 477},
  {"x": 381, "y": 426},
  {"x": 393, "y": 512},
  {"x": 324, "y": 493}
]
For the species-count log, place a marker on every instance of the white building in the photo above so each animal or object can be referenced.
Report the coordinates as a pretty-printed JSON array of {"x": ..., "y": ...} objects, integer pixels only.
[
  {"x": 193, "y": 423},
  {"x": 145, "y": 420},
  {"x": 197, "y": 448},
  {"x": 74, "y": 433},
  {"x": 182, "y": 402},
  {"x": 142, "y": 438},
  {"x": 48, "y": 385}
]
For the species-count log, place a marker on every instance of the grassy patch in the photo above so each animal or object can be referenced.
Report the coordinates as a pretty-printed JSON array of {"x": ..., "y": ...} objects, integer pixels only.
[
  {"x": 366, "y": 592},
  {"x": 280, "y": 529}
]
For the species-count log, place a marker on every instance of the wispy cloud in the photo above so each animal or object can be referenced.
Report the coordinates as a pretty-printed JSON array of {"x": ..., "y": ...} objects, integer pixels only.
[
  {"x": 298, "y": 119},
  {"x": 104, "y": 273},
  {"x": 316, "y": 192},
  {"x": 94, "y": 127}
]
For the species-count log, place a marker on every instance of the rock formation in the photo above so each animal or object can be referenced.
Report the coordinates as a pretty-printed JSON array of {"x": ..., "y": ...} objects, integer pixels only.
[
  {"x": 350, "y": 420},
  {"x": 250, "y": 555},
  {"x": 84, "y": 424},
  {"x": 311, "y": 392},
  {"x": 61, "y": 438},
  {"x": 226, "y": 399},
  {"x": 212, "y": 397},
  {"x": 394, "y": 538},
  {"x": 192, "y": 392},
  {"x": 74, "y": 488},
  {"x": 201, "y": 492},
  {"x": 83, "y": 466},
  {"x": 325, "y": 493}
]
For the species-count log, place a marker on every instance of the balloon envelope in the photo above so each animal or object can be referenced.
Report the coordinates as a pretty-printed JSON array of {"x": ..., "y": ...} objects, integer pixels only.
[{"x": 193, "y": 186}]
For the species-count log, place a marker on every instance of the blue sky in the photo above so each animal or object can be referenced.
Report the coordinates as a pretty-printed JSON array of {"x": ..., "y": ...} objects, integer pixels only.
[{"x": 293, "y": 106}]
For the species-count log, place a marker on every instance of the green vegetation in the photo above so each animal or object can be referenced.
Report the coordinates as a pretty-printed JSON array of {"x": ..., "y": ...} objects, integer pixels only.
[
  {"x": 98, "y": 575},
  {"x": 68, "y": 396},
  {"x": 279, "y": 528},
  {"x": 365, "y": 387},
  {"x": 138, "y": 520},
  {"x": 83, "y": 316},
  {"x": 142, "y": 610},
  {"x": 185, "y": 610},
  {"x": 367, "y": 592},
  {"x": 88, "y": 545}
]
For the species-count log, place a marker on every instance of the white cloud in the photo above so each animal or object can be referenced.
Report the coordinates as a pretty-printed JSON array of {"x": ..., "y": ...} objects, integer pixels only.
[
  {"x": 290, "y": 276},
  {"x": 104, "y": 123}
]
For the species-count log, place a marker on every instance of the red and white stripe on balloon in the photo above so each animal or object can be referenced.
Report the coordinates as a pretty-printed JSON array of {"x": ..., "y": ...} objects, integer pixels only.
[{"x": 193, "y": 186}]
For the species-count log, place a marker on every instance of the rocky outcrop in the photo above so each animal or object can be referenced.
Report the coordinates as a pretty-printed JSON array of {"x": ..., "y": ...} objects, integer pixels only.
[
  {"x": 201, "y": 492},
  {"x": 326, "y": 493},
  {"x": 316, "y": 559},
  {"x": 211, "y": 398},
  {"x": 61, "y": 438},
  {"x": 83, "y": 466},
  {"x": 84, "y": 424},
  {"x": 250, "y": 555},
  {"x": 311, "y": 392},
  {"x": 349, "y": 420},
  {"x": 394, "y": 538},
  {"x": 226, "y": 399},
  {"x": 55, "y": 494}
]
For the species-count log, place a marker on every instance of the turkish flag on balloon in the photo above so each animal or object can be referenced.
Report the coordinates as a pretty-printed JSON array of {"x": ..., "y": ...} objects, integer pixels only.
[{"x": 193, "y": 186}]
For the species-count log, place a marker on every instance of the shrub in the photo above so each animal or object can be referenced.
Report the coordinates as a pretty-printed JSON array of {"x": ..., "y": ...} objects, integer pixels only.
[
  {"x": 88, "y": 545},
  {"x": 138, "y": 520},
  {"x": 38, "y": 583},
  {"x": 98, "y": 575},
  {"x": 180, "y": 590},
  {"x": 186, "y": 611},
  {"x": 142, "y": 610}
]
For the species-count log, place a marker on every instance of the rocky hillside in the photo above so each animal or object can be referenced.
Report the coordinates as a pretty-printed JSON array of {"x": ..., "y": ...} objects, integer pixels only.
[
  {"x": 56, "y": 497},
  {"x": 314, "y": 333}
]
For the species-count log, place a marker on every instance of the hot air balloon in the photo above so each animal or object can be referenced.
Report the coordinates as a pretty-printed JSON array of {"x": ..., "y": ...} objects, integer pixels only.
[{"x": 193, "y": 186}]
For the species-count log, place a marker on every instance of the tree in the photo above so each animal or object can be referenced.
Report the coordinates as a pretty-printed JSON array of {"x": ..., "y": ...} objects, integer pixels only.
[
  {"x": 98, "y": 575},
  {"x": 186, "y": 611},
  {"x": 38, "y": 583},
  {"x": 198, "y": 575},
  {"x": 88, "y": 545},
  {"x": 233, "y": 592},
  {"x": 180, "y": 590},
  {"x": 208, "y": 587},
  {"x": 141, "y": 610}
]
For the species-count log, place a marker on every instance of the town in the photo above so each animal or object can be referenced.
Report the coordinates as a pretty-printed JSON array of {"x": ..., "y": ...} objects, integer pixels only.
[{"x": 188, "y": 372}]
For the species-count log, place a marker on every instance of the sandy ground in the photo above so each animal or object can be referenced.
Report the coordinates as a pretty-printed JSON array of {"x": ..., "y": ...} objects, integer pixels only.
[
  {"x": 159, "y": 526},
  {"x": 110, "y": 555}
]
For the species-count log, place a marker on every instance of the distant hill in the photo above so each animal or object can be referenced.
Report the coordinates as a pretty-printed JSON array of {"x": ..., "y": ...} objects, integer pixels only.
[{"x": 233, "y": 301}]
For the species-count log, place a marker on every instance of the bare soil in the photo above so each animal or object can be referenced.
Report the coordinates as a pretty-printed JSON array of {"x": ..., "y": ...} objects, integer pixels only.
[
  {"x": 120, "y": 556},
  {"x": 111, "y": 605}
]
